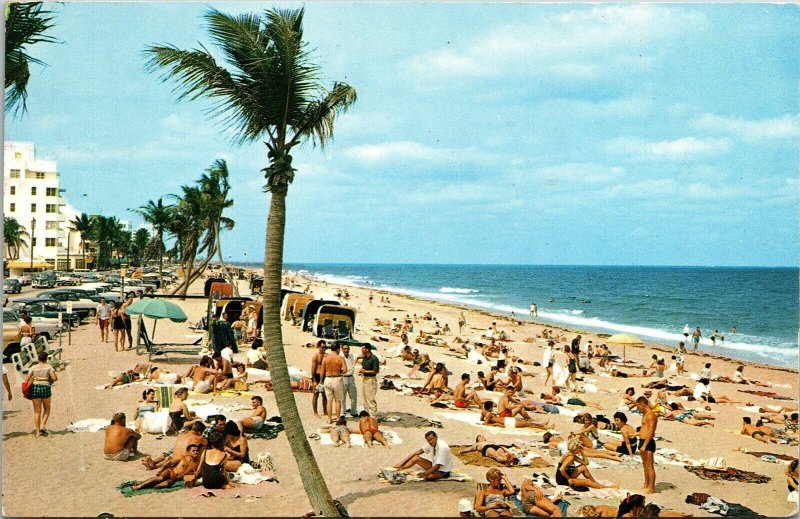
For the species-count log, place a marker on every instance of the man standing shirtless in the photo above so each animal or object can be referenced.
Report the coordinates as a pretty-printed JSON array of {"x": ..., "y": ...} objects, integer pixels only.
[
  {"x": 647, "y": 443},
  {"x": 316, "y": 378},
  {"x": 333, "y": 367}
]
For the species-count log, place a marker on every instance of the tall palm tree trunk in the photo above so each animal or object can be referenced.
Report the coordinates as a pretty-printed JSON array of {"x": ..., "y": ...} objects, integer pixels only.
[
  {"x": 161, "y": 260},
  {"x": 313, "y": 481},
  {"x": 222, "y": 261}
]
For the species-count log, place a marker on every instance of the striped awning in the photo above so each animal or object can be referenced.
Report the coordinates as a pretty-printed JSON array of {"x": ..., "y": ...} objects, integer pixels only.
[{"x": 24, "y": 264}]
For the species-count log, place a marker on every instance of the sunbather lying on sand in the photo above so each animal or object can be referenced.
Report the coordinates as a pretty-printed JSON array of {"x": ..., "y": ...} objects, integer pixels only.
[
  {"x": 174, "y": 471},
  {"x": 490, "y": 418},
  {"x": 557, "y": 442},
  {"x": 751, "y": 430},
  {"x": 534, "y": 502},
  {"x": 689, "y": 416},
  {"x": 499, "y": 453},
  {"x": 124, "y": 378},
  {"x": 368, "y": 425}
]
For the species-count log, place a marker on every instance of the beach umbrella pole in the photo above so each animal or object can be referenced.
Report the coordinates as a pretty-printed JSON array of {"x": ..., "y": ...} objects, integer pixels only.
[{"x": 153, "y": 334}]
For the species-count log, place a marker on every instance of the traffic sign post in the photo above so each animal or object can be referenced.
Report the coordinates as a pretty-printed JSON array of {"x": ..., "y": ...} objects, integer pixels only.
[
  {"x": 61, "y": 327},
  {"x": 69, "y": 312}
]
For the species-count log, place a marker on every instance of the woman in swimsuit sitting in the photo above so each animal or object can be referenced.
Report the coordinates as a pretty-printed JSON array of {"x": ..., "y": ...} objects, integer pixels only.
[
  {"x": 437, "y": 379},
  {"x": 212, "y": 464},
  {"x": 236, "y": 447},
  {"x": 589, "y": 430},
  {"x": 148, "y": 405},
  {"x": 573, "y": 469},
  {"x": 499, "y": 453},
  {"x": 492, "y": 500},
  {"x": 179, "y": 413},
  {"x": 534, "y": 502}
]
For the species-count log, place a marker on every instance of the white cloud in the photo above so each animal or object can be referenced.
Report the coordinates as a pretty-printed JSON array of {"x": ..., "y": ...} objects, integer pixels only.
[
  {"x": 633, "y": 105},
  {"x": 576, "y": 174},
  {"x": 784, "y": 127},
  {"x": 579, "y": 43},
  {"x": 687, "y": 148},
  {"x": 411, "y": 151}
]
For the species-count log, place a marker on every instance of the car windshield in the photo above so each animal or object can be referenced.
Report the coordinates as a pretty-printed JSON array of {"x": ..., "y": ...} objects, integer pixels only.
[{"x": 9, "y": 315}]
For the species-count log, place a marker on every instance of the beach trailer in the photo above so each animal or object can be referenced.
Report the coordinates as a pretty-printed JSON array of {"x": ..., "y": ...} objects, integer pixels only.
[
  {"x": 310, "y": 312},
  {"x": 335, "y": 322},
  {"x": 233, "y": 306},
  {"x": 209, "y": 282}
]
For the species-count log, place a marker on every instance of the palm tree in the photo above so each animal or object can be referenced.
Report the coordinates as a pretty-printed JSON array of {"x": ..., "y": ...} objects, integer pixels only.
[
  {"x": 13, "y": 236},
  {"x": 215, "y": 187},
  {"x": 26, "y": 24},
  {"x": 139, "y": 247},
  {"x": 268, "y": 88},
  {"x": 82, "y": 224},
  {"x": 159, "y": 216}
]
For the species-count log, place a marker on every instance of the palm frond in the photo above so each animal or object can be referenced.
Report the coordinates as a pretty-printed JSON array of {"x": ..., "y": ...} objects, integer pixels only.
[{"x": 320, "y": 116}]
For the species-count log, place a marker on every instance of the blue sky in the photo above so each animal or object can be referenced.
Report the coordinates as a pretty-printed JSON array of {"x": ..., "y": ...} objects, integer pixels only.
[{"x": 496, "y": 133}]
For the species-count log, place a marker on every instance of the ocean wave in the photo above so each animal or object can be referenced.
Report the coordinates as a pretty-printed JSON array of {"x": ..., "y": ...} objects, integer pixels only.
[
  {"x": 448, "y": 290},
  {"x": 353, "y": 281}
]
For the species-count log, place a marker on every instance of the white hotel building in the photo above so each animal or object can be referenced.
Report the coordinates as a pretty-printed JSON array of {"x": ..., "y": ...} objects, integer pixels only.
[{"x": 31, "y": 191}]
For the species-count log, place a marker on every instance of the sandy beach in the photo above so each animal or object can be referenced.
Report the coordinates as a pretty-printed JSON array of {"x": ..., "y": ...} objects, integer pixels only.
[{"x": 65, "y": 474}]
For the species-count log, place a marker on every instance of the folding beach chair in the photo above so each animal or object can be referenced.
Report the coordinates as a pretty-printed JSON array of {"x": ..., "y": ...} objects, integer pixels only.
[{"x": 163, "y": 396}]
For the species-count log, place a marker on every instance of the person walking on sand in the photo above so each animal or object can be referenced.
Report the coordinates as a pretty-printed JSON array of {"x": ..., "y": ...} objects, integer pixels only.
[
  {"x": 647, "y": 443},
  {"x": 547, "y": 361},
  {"x": 42, "y": 375},
  {"x": 370, "y": 367},
  {"x": 696, "y": 337},
  {"x": 103, "y": 318},
  {"x": 461, "y": 322}
]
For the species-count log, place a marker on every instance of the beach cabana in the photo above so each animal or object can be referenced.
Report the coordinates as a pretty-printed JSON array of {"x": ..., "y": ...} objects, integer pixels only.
[
  {"x": 285, "y": 292},
  {"x": 310, "y": 312},
  {"x": 293, "y": 305},
  {"x": 335, "y": 322},
  {"x": 209, "y": 282},
  {"x": 233, "y": 306}
]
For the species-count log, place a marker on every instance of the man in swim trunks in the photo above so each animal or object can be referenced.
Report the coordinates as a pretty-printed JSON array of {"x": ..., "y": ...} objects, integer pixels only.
[
  {"x": 696, "y": 337},
  {"x": 256, "y": 419},
  {"x": 173, "y": 471},
  {"x": 507, "y": 408},
  {"x": 103, "y": 318},
  {"x": 462, "y": 399},
  {"x": 120, "y": 443},
  {"x": 368, "y": 425},
  {"x": 647, "y": 443},
  {"x": 333, "y": 367},
  {"x": 194, "y": 436},
  {"x": 316, "y": 378}
]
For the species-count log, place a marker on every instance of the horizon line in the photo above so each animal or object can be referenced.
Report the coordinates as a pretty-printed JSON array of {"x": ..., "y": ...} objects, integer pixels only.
[{"x": 376, "y": 263}]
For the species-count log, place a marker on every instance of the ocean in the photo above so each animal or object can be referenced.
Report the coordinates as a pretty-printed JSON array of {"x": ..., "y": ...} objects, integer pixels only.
[{"x": 654, "y": 303}]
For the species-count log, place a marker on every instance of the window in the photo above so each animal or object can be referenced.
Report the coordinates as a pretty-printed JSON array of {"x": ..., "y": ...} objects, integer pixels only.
[
  {"x": 51, "y": 208},
  {"x": 40, "y": 175},
  {"x": 15, "y": 172},
  {"x": 50, "y": 242},
  {"x": 12, "y": 207},
  {"x": 33, "y": 191},
  {"x": 51, "y": 225},
  {"x": 52, "y": 191},
  {"x": 33, "y": 208},
  {"x": 33, "y": 240},
  {"x": 13, "y": 190}
]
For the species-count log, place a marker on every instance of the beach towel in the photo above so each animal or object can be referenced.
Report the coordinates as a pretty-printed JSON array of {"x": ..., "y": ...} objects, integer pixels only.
[
  {"x": 770, "y": 457},
  {"x": 126, "y": 489},
  {"x": 524, "y": 458},
  {"x": 407, "y": 420},
  {"x": 475, "y": 419},
  {"x": 93, "y": 425},
  {"x": 729, "y": 474},
  {"x": 266, "y": 489},
  {"x": 767, "y": 394},
  {"x": 386, "y": 476},
  {"x": 209, "y": 408},
  {"x": 155, "y": 423},
  {"x": 357, "y": 440},
  {"x": 226, "y": 393},
  {"x": 720, "y": 507},
  {"x": 247, "y": 475},
  {"x": 267, "y": 431}
]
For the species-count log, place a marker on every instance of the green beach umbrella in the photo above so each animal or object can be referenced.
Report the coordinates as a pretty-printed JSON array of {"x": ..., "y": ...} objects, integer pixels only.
[
  {"x": 625, "y": 339},
  {"x": 157, "y": 309}
]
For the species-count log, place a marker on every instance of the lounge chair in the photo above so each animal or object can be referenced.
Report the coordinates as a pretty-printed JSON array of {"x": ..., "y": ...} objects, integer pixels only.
[
  {"x": 162, "y": 349},
  {"x": 343, "y": 331},
  {"x": 327, "y": 329}
]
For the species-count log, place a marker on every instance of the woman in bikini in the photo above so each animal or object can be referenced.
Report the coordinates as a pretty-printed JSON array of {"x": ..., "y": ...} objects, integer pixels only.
[
  {"x": 492, "y": 500},
  {"x": 557, "y": 442},
  {"x": 490, "y": 418},
  {"x": 340, "y": 432},
  {"x": 534, "y": 502},
  {"x": 498, "y": 453},
  {"x": 148, "y": 405},
  {"x": 118, "y": 325},
  {"x": 27, "y": 332},
  {"x": 688, "y": 416},
  {"x": 368, "y": 425}
]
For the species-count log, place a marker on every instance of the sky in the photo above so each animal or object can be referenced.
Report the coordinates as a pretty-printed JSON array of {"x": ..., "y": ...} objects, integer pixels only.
[{"x": 483, "y": 133}]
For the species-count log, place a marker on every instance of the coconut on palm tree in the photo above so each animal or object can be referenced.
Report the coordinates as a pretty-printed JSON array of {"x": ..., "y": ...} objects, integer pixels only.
[
  {"x": 26, "y": 24},
  {"x": 14, "y": 236},
  {"x": 269, "y": 88}
]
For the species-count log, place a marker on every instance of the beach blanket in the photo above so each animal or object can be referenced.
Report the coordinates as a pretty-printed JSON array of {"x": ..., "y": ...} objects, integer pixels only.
[
  {"x": 729, "y": 474},
  {"x": 93, "y": 425},
  {"x": 544, "y": 481},
  {"x": 475, "y": 419},
  {"x": 267, "y": 431},
  {"x": 267, "y": 489},
  {"x": 757, "y": 408},
  {"x": 205, "y": 410},
  {"x": 407, "y": 420},
  {"x": 357, "y": 440},
  {"x": 155, "y": 422},
  {"x": 673, "y": 457},
  {"x": 525, "y": 458},
  {"x": 126, "y": 489},
  {"x": 226, "y": 393},
  {"x": 393, "y": 476},
  {"x": 255, "y": 374},
  {"x": 767, "y": 394},
  {"x": 720, "y": 507},
  {"x": 770, "y": 457}
]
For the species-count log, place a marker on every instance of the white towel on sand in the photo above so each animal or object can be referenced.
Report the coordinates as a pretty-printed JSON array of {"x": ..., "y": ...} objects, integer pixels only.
[
  {"x": 475, "y": 419},
  {"x": 93, "y": 425},
  {"x": 357, "y": 439}
]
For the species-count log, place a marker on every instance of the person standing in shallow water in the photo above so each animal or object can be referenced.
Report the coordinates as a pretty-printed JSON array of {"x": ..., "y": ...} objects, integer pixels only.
[{"x": 696, "y": 336}]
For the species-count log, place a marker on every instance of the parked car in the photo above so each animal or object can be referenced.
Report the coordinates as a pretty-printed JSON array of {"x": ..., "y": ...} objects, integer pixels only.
[
  {"x": 85, "y": 294},
  {"x": 68, "y": 279},
  {"x": 43, "y": 282},
  {"x": 12, "y": 286},
  {"x": 47, "y": 328},
  {"x": 50, "y": 309},
  {"x": 82, "y": 306}
]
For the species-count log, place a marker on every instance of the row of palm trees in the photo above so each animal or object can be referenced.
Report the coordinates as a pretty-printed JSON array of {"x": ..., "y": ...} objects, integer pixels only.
[{"x": 267, "y": 88}]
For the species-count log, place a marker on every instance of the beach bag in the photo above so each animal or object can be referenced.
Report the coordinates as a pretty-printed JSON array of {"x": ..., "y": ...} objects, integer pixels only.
[
  {"x": 27, "y": 387},
  {"x": 393, "y": 476},
  {"x": 263, "y": 462}
]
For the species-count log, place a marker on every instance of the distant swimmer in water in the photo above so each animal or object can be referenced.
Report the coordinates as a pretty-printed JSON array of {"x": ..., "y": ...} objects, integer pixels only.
[
  {"x": 552, "y": 300},
  {"x": 733, "y": 330},
  {"x": 534, "y": 309}
]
